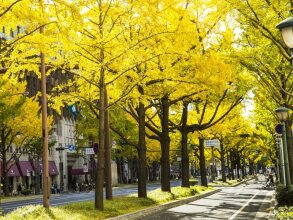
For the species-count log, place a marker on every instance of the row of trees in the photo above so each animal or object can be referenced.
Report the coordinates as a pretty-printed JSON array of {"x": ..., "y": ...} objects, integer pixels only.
[
  {"x": 163, "y": 71},
  {"x": 264, "y": 54}
]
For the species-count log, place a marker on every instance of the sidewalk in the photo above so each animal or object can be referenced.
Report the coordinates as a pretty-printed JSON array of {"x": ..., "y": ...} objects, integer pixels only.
[
  {"x": 272, "y": 208},
  {"x": 159, "y": 208},
  {"x": 264, "y": 211}
]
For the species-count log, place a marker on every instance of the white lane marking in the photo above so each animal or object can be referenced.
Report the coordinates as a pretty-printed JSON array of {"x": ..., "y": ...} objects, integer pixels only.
[{"x": 240, "y": 210}]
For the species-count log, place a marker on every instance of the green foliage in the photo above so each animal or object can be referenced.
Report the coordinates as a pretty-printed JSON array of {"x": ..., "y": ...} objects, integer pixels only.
[
  {"x": 118, "y": 206},
  {"x": 232, "y": 182},
  {"x": 26, "y": 192},
  {"x": 284, "y": 213},
  {"x": 160, "y": 197},
  {"x": 35, "y": 147},
  {"x": 193, "y": 182},
  {"x": 40, "y": 213},
  {"x": 200, "y": 189},
  {"x": 180, "y": 192},
  {"x": 80, "y": 211},
  {"x": 284, "y": 195},
  {"x": 219, "y": 182}
]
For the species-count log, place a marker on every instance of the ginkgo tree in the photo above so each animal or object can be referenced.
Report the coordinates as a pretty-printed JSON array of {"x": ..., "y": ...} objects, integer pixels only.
[
  {"x": 265, "y": 121},
  {"x": 262, "y": 51},
  {"x": 20, "y": 122},
  {"x": 231, "y": 128},
  {"x": 105, "y": 50}
]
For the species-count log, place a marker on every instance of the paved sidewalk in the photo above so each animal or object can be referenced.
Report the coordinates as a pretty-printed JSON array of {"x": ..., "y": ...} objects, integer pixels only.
[
  {"x": 159, "y": 208},
  {"x": 245, "y": 202}
]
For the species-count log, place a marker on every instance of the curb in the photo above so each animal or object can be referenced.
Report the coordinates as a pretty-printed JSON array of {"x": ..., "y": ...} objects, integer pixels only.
[
  {"x": 244, "y": 181},
  {"x": 153, "y": 210},
  {"x": 237, "y": 184}
]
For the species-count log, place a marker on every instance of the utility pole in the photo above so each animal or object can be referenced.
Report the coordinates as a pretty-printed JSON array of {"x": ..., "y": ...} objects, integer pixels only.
[
  {"x": 108, "y": 173},
  {"x": 46, "y": 194},
  {"x": 285, "y": 154},
  {"x": 213, "y": 165}
]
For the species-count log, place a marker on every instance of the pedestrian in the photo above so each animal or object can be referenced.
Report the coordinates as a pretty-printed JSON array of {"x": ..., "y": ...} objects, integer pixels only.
[
  {"x": 55, "y": 188},
  {"x": 19, "y": 189}
]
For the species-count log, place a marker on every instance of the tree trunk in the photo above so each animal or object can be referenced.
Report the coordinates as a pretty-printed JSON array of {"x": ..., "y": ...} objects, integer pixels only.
[
  {"x": 184, "y": 150},
  {"x": 142, "y": 177},
  {"x": 238, "y": 166},
  {"x": 229, "y": 166},
  {"x": 290, "y": 148},
  {"x": 154, "y": 171},
  {"x": 250, "y": 167},
  {"x": 165, "y": 145},
  {"x": 223, "y": 165},
  {"x": 4, "y": 165},
  {"x": 101, "y": 153},
  {"x": 202, "y": 163},
  {"x": 108, "y": 170},
  {"x": 5, "y": 177},
  {"x": 232, "y": 165},
  {"x": 37, "y": 176}
]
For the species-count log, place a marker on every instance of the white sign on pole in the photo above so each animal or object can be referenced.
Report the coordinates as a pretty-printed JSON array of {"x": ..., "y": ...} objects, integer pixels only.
[
  {"x": 114, "y": 144},
  {"x": 85, "y": 168},
  {"x": 212, "y": 143},
  {"x": 89, "y": 151}
]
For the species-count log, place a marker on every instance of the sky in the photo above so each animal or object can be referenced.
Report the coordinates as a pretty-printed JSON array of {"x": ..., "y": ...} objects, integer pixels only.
[{"x": 248, "y": 105}]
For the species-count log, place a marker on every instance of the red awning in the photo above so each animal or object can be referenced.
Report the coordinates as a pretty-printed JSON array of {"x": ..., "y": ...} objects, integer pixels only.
[
  {"x": 25, "y": 168},
  {"x": 79, "y": 171},
  {"x": 13, "y": 171},
  {"x": 53, "y": 171}
]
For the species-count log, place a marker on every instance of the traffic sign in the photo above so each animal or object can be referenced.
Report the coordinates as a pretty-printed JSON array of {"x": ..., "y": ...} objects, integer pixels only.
[
  {"x": 89, "y": 151},
  {"x": 71, "y": 148},
  {"x": 278, "y": 128},
  {"x": 114, "y": 144},
  {"x": 85, "y": 168},
  {"x": 212, "y": 143}
]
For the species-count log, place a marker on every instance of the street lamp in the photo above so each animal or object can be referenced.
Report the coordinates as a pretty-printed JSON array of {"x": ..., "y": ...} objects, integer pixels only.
[
  {"x": 282, "y": 114},
  {"x": 286, "y": 27},
  {"x": 61, "y": 149}
]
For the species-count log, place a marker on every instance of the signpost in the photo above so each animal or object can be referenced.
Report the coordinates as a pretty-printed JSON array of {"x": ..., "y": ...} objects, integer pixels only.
[
  {"x": 213, "y": 143},
  {"x": 89, "y": 151},
  {"x": 114, "y": 144},
  {"x": 278, "y": 128},
  {"x": 71, "y": 148},
  {"x": 85, "y": 168}
]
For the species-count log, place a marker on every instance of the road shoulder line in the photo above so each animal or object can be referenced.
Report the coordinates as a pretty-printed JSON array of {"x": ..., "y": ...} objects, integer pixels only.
[{"x": 243, "y": 207}]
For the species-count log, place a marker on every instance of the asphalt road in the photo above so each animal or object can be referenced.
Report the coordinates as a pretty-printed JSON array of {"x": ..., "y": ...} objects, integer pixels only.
[
  {"x": 247, "y": 202},
  {"x": 76, "y": 197}
]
